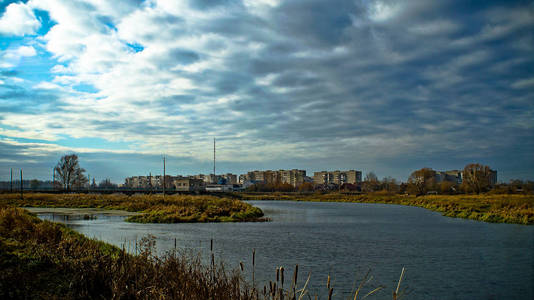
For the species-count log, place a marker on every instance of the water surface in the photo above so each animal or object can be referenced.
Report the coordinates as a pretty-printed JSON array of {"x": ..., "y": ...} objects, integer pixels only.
[{"x": 445, "y": 258}]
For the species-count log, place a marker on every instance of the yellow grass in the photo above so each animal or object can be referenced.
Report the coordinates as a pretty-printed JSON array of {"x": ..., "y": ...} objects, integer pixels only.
[
  {"x": 518, "y": 209},
  {"x": 154, "y": 208}
]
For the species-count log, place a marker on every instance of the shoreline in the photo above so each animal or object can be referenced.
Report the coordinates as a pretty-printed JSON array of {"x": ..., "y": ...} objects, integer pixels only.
[
  {"x": 79, "y": 211},
  {"x": 509, "y": 209}
]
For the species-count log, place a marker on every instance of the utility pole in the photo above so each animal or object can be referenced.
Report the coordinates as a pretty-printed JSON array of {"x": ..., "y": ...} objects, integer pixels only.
[
  {"x": 21, "y": 192},
  {"x": 163, "y": 176},
  {"x": 214, "y": 177},
  {"x": 11, "y": 182},
  {"x": 150, "y": 182}
]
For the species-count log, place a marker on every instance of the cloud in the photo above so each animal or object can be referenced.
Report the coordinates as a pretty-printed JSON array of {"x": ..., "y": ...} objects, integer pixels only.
[
  {"x": 370, "y": 84},
  {"x": 11, "y": 57},
  {"x": 524, "y": 84},
  {"x": 18, "y": 19}
]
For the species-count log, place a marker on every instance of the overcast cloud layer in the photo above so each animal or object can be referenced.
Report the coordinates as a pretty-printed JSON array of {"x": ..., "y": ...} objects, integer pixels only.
[{"x": 384, "y": 86}]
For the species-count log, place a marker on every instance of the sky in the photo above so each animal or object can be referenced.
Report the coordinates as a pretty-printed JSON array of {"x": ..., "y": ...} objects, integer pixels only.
[{"x": 382, "y": 86}]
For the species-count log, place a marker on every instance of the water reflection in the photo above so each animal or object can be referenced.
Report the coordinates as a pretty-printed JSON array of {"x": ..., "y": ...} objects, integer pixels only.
[{"x": 445, "y": 258}]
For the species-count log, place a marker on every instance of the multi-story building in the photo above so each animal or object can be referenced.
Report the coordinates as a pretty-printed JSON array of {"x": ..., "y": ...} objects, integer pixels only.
[
  {"x": 493, "y": 177},
  {"x": 136, "y": 182},
  {"x": 337, "y": 177},
  {"x": 188, "y": 184},
  {"x": 456, "y": 176},
  {"x": 149, "y": 182},
  {"x": 230, "y": 178},
  {"x": 294, "y": 177}
]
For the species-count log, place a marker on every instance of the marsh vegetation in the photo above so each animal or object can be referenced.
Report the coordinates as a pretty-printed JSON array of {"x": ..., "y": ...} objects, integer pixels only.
[
  {"x": 42, "y": 259},
  {"x": 495, "y": 208},
  {"x": 152, "y": 208}
]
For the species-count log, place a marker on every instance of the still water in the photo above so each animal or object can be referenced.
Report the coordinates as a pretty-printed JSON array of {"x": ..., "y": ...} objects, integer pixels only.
[{"x": 445, "y": 258}]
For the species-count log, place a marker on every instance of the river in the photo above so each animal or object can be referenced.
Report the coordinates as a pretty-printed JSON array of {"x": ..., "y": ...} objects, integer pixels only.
[{"x": 444, "y": 258}]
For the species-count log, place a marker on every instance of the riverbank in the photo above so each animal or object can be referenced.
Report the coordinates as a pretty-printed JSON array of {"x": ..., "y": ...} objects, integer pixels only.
[
  {"x": 41, "y": 259},
  {"x": 46, "y": 260},
  {"x": 151, "y": 208},
  {"x": 515, "y": 209}
]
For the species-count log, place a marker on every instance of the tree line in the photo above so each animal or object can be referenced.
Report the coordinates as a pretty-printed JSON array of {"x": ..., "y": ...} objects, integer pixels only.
[{"x": 476, "y": 178}]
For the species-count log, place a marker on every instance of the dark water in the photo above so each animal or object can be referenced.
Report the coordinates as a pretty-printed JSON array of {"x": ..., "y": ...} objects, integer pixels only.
[{"x": 445, "y": 258}]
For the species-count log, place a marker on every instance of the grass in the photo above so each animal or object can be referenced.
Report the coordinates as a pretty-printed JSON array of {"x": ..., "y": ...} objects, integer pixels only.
[
  {"x": 153, "y": 208},
  {"x": 517, "y": 209},
  {"x": 41, "y": 259},
  {"x": 46, "y": 260}
]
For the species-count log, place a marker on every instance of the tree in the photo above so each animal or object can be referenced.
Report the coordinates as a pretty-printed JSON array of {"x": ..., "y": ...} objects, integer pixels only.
[
  {"x": 421, "y": 181},
  {"x": 34, "y": 184},
  {"x": 371, "y": 183},
  {"x": 476, "y": 177},
  {"x": 390, "y": 184},
  {"x": 306, "y": 187},
  {"x": 69, "y": 172},
  {"x": 447, "y": 187},
  {"x": 107, "y": 184},
  {"x": 80, "y": 180}
]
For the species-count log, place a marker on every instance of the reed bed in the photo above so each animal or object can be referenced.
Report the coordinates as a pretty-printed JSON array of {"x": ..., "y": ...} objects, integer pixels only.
[
  {"x": 153, "y": 208},
  {"x": 518, "y": 209},
  {"x": 46, "y": 260}
]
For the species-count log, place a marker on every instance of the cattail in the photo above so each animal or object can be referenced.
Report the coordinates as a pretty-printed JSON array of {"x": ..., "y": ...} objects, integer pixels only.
[
  {"x": 328, "y": 282},
  {"x": 295, "y": 275},
  {"x": 253, "y": 266},
  {"x": 282, "y": 276},
  {"x": 253, "y": 256},
  {"x": 277, "y": 274},
  {"x": 241, "y": 266}
]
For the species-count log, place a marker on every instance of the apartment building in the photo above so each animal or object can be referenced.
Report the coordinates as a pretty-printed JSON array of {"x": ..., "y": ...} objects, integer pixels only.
[
  {"x": 149, "y": 182},
  {"x": 456, "y": 176},
  {"x": 337, "y": 177},
  {"x": 188, "y": 184},
  {"x": 294, "y": 177}
]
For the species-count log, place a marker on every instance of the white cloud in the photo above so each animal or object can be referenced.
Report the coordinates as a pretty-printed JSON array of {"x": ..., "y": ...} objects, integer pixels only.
[
  {"x": 524, "y": 83},
  {"x": 26, "y": 51},
  {"x": 18, "y": 19},
  {"x": 437, "y": 27},
  {"x": 11, "y": 57},
  {"x": 381, "y": 11}
]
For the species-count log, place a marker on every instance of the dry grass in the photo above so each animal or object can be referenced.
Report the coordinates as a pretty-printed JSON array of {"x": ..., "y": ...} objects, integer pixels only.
[
  {"x": 154, "y": 208},
  {"x": 518, "y": 209}
]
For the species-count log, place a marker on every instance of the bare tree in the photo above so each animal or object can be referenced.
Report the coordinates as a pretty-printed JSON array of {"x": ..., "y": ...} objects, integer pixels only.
[
  {"x": 476, "y": 177},
  {"x": 370, "y": 183},
  {"x": 80, "y": 180},
  {"x": 69, "y": 172},
  {"x": 390, "y": 184},
  {"x": 421, "y": 181}
]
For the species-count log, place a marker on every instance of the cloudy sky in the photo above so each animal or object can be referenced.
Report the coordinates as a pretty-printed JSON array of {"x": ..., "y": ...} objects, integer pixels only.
[{"x": 383, "y": 86}]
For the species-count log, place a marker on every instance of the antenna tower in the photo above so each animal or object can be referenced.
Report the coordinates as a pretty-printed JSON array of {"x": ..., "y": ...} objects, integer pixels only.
[{"x": 214, "y": 178}]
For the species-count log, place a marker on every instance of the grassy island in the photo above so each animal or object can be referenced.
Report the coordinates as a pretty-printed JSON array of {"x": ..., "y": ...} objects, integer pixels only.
[
  {"x": 152, "y": 208},
  {"x": 518, "y": 209}
]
